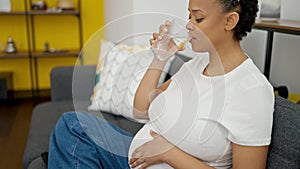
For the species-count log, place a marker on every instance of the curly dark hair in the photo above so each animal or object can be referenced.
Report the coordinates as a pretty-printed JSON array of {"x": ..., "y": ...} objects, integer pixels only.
[{"x": 247, "y": 10}]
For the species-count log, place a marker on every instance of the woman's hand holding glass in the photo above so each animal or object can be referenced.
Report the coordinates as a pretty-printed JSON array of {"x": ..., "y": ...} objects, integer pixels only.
[{"x": 169, "y": 40}]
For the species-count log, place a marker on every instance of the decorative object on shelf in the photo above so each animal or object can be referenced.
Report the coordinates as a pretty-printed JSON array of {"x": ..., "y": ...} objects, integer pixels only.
[
  {"x": 66, "y": 4},
  {"x": 47, "y": 47},
  {"x": 54, "y": 50},
  {"x": 11, "y": 47},
  {"x": 39, "y": 5},
  {"x": 5, "y": 6},
  {"x": 270, "y": 10},
  {"x": 54, "y": 10}
]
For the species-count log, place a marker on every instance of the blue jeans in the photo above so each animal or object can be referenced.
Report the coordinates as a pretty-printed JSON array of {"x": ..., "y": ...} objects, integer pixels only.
[{"x": 82, "y": 140}]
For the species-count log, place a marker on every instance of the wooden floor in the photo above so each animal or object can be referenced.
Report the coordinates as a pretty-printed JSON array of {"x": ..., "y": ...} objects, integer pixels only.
[{"x": 15, "y": 118}]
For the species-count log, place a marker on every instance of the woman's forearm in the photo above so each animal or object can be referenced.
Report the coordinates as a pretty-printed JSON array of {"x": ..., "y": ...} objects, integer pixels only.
[
  {"x": 147, "y": 89},
  {"x": 179, "y": 159}
]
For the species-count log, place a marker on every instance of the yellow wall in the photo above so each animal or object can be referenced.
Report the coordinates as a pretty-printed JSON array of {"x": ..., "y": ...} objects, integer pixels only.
[{"x": 60, "y": 31}]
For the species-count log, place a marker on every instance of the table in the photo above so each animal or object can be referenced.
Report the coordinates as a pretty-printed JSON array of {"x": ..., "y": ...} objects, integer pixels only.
[{"x": 281, "y": 26}]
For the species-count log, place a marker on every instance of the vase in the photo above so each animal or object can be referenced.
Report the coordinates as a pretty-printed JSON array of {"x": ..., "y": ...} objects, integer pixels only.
[{"x": 270, "y": 10}]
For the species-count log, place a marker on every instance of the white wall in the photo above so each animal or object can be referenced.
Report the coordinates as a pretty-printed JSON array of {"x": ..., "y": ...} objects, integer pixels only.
[
  {"x": 285, "y": 63},
  {"x": 117, "y": 22},
  {"x": 139, "y": 18}
]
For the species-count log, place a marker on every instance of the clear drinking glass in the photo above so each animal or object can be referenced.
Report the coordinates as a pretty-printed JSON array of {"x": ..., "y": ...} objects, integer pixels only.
[{"x": 176, "y": 39}]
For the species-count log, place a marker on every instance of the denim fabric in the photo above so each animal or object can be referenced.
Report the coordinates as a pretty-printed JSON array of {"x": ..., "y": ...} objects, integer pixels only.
[{"x": 82, "y": 140}]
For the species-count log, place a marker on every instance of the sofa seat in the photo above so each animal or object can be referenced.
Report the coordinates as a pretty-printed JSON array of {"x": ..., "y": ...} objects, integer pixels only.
[{"x": 45, "y": 116}]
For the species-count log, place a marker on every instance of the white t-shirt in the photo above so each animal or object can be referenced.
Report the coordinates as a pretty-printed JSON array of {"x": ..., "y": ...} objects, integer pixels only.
[{"x": 202, "y": 115}]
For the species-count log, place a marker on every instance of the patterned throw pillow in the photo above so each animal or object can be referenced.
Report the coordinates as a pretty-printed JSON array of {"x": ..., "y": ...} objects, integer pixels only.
[
  {"x": 105, "y": 47},
  {"x": 119, "y": 76}
]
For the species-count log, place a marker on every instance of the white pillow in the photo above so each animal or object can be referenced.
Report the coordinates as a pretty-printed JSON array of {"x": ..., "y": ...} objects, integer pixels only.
[
  {"x": 105, "y": 47},
  {"x": 120, "y": 74}
]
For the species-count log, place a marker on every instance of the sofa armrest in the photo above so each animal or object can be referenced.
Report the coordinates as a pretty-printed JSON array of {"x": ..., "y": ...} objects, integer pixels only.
[
  {"x": 69, "y": 82},
  {"x": 284, "y": 149},
  {"x": 61, "y": 83}
]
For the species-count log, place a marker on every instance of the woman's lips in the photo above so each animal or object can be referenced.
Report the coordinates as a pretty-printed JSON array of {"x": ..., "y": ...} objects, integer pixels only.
[{"x": 192, "y": 38}]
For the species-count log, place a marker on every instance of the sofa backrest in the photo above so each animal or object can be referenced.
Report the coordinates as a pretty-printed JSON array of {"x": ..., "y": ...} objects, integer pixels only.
[
  {"x": 76, "y": 83},
  {"x": 284, "y": 150},
  {"x": 69, "y": 82}
]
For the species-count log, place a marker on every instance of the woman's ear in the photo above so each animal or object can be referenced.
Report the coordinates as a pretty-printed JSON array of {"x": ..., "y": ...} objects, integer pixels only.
[{"x": 231, "y": 20}]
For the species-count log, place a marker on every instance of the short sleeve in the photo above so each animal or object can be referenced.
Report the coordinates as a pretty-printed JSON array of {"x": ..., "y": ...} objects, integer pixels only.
[{"x": 249, "y": 116}]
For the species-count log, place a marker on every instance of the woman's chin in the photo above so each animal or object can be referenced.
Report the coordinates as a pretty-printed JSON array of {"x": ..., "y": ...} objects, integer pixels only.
[{"x": 198, "y": 49}]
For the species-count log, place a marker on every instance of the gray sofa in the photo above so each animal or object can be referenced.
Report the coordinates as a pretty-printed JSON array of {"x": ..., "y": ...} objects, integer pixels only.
[{"x": 71, "y": 90}]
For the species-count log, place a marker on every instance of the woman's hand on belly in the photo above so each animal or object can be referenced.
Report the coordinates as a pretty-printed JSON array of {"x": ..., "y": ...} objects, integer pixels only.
[{"x": 152, "y": 152}]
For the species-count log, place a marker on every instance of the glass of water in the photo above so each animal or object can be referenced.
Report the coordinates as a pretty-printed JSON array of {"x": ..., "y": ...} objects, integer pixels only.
[{"x": 175, "y": 40}]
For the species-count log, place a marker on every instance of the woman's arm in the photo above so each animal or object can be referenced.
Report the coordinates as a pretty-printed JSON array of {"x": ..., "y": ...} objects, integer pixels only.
[
  {"x": 160, "y": 150},
  {"x": 148, "y": 89},
  {"x": 249, "y": 157},
  {"x": 181, "y": 160},
  {"x": 243, "y": 157}
]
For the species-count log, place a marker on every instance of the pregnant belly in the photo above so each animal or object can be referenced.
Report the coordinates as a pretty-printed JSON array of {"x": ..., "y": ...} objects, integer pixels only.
[
  {"x": 206, "y": 140},
  {"x": 139, "y": 139}
]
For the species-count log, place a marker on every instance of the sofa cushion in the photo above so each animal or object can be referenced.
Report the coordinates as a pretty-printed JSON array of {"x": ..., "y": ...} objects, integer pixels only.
[
  {"x": 122, "y": 69},
  {"x": 284, "y": 150},
  {"x": 43, "y": 119},
  {"x": 72, "y": 82}
]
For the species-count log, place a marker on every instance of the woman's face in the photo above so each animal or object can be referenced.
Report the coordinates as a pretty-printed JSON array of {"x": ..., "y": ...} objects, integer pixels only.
[{"x": 206, "y": 25}]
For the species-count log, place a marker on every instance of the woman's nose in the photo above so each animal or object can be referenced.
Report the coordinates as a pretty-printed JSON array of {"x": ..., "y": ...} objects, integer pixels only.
[{"x": 189, "y": 26}]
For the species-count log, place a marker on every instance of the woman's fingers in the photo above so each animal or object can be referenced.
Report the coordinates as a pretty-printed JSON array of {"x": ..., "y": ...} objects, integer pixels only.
[
  {"x": 137, "y": 153},
  {"x": 137, "y": 162},
  {"x": 156, "y": 37},
  {"x": 152, "y": 41},
  {"x": 163, "y": 29},
  {"x": 136, "y": 158},
  {"x": 132, "y": 160}
]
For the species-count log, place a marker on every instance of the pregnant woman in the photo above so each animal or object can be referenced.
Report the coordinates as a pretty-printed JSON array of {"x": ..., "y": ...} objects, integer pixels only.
[{"x": 215, "y": 112}]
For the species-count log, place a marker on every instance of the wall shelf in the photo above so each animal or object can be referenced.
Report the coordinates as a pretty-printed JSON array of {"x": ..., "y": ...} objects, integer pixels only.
[
  {"x": 56, "y": 54},
  {"x": 281, "y": 26},
  {"x": 41, "y": 12},
  {"x": 33, "y": 54},
  {"x": 12, "y": 13},
  {"x": 14, "y": 55},
  {"x": 65, "y": 12}
]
